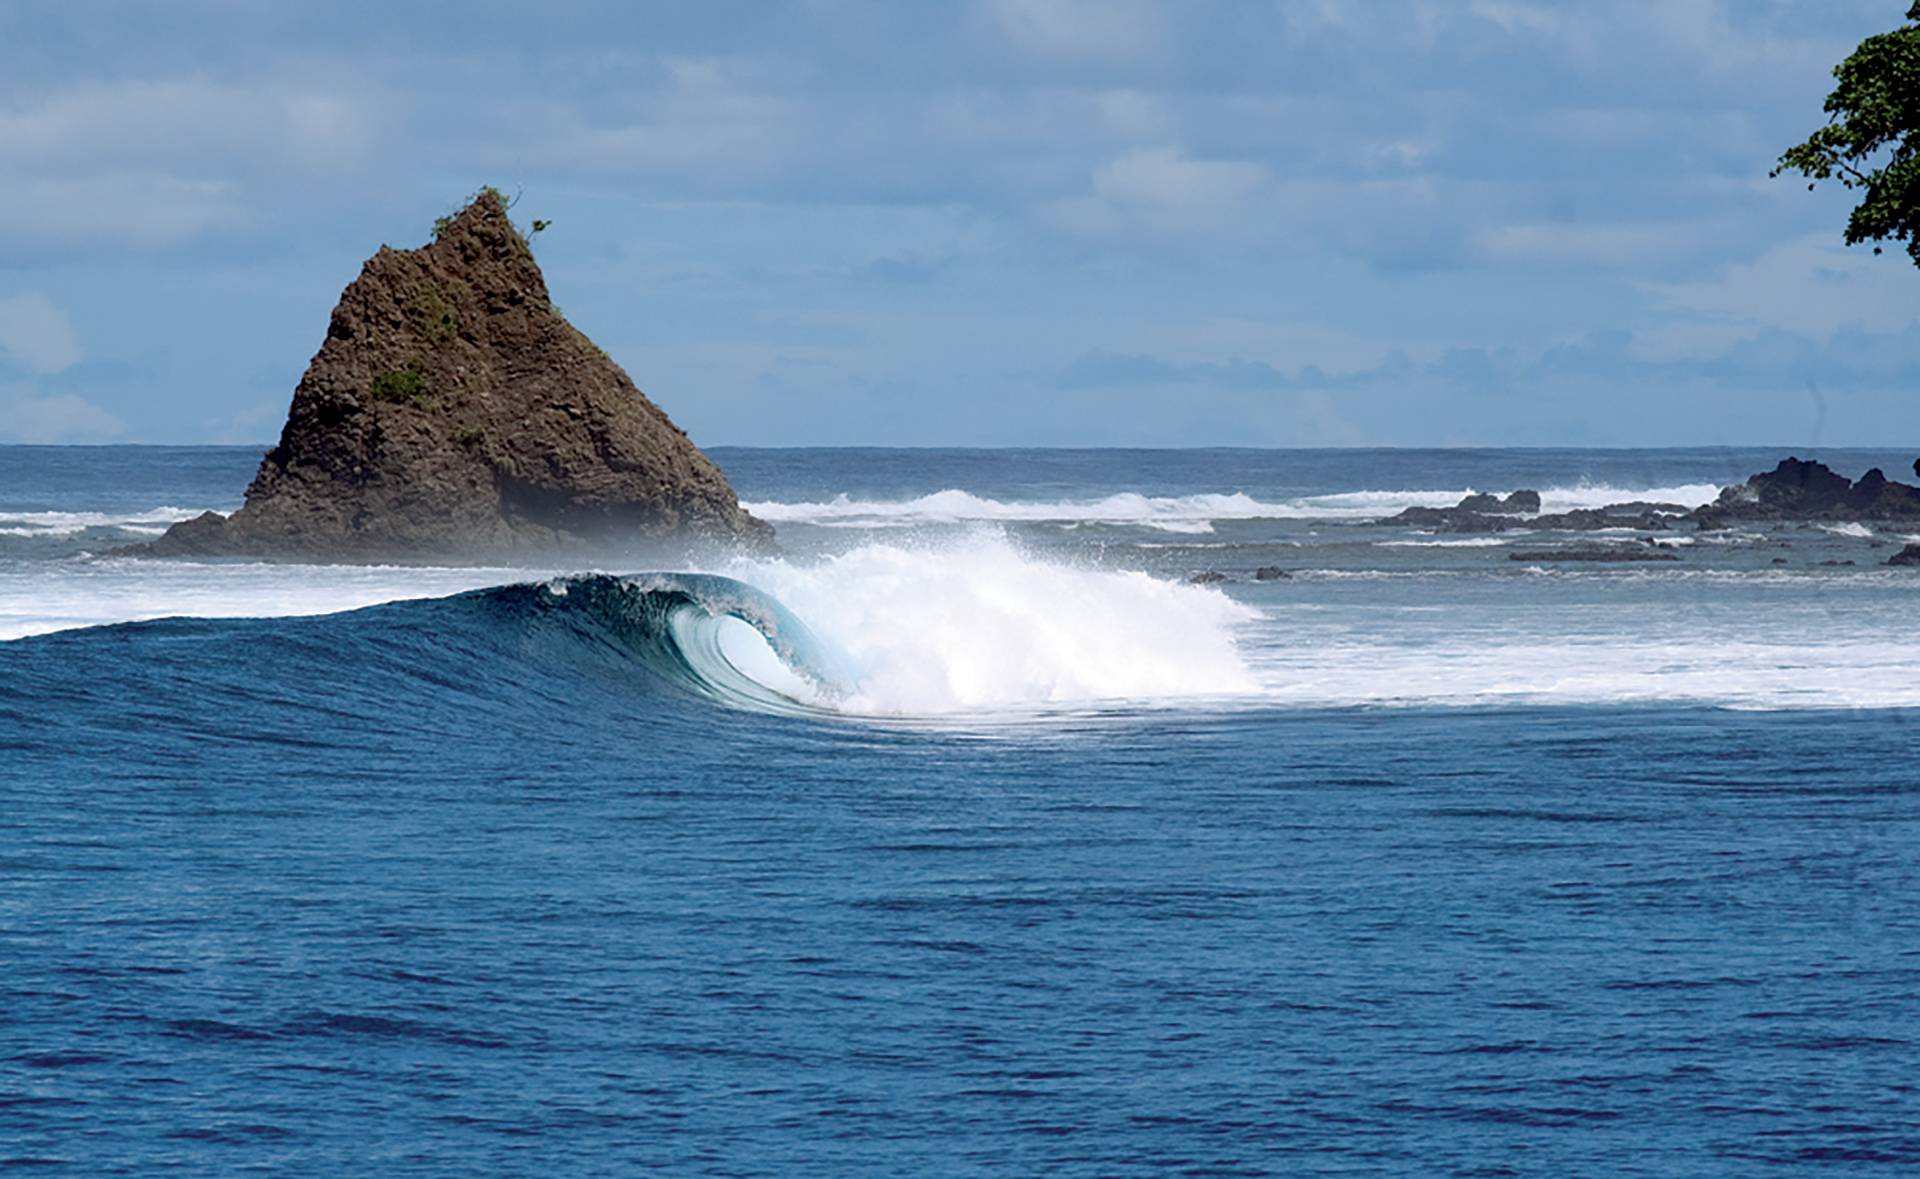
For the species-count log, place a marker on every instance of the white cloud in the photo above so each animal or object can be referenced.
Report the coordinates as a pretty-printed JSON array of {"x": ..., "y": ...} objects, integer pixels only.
[
  {"x": 1811, "y": 286},
  {"x": 26, "y": 416},
  {"x": 37, "y": 334},
  {"x": 132, "y": 209},
  {"x": 1630, "y": 245},
  {"x": 1094, "y": 30},
  {"x": 152, "y": 163},
  {"x": 188, "y": 123},
  {"x": 713, "y": 117},
  {"x": 1165, "y": 190}
]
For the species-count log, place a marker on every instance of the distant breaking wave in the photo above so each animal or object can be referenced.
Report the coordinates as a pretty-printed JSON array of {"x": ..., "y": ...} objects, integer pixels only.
[
  {"x": 1187, "y": 513},
  {"x": 148, "y": 522}
]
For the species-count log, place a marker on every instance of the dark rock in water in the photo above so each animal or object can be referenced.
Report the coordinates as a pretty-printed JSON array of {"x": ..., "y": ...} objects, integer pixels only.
[
  {"x": 1514, "y": 504},
  {"x": 1835, "y": 564},
  {"x": 453, "y": 413},
  {"x": 1906, "y": 556},
  {"x": 1521, "y": 501},
  {"x": 1207, "y": 577},
  {"x": 1450, "y": 520},
  {"x": 1779, "y": 560},
  {"x": 1622, "y": 553},
  {"x": 1482, "y": 513},
  {"x": 1803, "y": 490},
  {"x": 1271, "y": 573}
]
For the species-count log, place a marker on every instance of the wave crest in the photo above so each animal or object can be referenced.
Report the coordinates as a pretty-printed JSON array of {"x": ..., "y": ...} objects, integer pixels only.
[{"x": 1187, "y": 513}]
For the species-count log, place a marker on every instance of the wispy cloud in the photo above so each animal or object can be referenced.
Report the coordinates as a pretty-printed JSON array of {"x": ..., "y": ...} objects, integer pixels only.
[{"x": 37, "y": 335}]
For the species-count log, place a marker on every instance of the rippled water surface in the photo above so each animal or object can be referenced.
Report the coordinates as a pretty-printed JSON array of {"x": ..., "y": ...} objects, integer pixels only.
[{"x": 1412, "y": 863}]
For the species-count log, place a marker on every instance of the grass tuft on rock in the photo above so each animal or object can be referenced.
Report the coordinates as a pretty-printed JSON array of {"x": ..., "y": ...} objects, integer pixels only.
[{"x": 403, "y": 386}]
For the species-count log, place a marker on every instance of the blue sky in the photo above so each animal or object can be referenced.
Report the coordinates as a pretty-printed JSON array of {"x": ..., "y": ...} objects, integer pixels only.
[{"x": 1001, "y": 222}]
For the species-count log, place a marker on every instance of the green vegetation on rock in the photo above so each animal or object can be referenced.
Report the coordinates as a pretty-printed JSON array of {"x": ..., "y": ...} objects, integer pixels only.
[{"x": 405, "y": 386}]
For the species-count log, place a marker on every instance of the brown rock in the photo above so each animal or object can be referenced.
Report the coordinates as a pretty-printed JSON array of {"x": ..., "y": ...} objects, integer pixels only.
[{"x": 453, "y": 413}]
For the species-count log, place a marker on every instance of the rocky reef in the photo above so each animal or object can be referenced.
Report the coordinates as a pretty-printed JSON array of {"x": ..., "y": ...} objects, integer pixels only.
[
  {"x": 1485, "y": 513},
  {"x": 1795, "y": 490},
  {"x": 453, "y": 413},
  {"x": 1802, "y": 490}
]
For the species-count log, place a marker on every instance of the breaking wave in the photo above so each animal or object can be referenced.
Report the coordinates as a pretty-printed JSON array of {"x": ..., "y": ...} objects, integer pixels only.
[
  {"x": 147, "y": 522},
  {"x": 1187, "y": 513}
]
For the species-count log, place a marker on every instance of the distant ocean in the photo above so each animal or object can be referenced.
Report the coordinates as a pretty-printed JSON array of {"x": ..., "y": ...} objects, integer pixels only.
[{"x": 1014, "y": 851}]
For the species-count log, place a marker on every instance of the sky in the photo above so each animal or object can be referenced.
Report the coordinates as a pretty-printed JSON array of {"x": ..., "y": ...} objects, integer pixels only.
[{"x": 984, "y": 223}]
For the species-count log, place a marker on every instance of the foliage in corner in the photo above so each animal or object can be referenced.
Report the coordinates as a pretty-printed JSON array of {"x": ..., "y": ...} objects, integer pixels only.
[{"x": 1872, "y": 138}]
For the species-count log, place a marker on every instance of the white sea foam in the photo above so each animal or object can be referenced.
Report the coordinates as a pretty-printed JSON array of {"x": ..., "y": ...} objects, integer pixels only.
[
  {"x": 1773, "y": 672},
  {"x": 953, "y": 506},
  {"x": 1471, "y": 542},
  {"x": 977, "y": 624},
  {"x": 1855, "y": 530},
  {"x": 1180, "y": 512},
  {"x": 150, "y": 522}
]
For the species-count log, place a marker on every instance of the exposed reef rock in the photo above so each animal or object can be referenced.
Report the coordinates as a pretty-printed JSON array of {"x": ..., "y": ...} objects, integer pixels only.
[
  {"x": 1906, "y": 556},
  {"x": 1481, "y": 512},
  {"x": 1796, "y": 490},
  {"x": 452, "y": 413},
  {"x": 1800, "y": 490},
  {"x": 1493, "y": 505}
]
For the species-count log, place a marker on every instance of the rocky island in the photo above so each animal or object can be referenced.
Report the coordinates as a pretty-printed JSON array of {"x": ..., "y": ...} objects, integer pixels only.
[{"x": 453, "y": 414}]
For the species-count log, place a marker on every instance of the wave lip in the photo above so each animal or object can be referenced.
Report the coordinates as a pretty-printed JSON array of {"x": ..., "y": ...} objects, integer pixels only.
[{"x": 709, "y": 635}]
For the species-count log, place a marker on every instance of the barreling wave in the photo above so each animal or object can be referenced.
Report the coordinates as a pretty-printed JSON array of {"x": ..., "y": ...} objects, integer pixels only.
[
  {"x": 970, "y": 628},
  {"x": 700, "y": 633}
]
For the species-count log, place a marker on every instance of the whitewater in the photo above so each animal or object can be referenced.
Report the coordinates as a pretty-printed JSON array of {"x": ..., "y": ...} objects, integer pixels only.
[{"x": 997, "y": 601}]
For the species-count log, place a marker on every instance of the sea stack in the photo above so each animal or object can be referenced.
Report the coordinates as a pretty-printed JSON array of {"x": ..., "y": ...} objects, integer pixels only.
[{"x": 454, "y": 414}]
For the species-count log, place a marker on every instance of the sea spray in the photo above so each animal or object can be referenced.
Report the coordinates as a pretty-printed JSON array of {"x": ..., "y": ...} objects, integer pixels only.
[{"x": 979, "y": 624}]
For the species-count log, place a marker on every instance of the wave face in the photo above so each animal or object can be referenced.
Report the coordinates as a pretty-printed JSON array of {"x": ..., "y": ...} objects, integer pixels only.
[{"x": 976, "y": 627}]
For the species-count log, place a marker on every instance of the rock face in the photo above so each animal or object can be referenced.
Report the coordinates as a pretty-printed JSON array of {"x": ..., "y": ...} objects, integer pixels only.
[
  {"x": 1906, "y": 556},
  {"x": 1517, "y": 503},
  {"x": 1801, "y": 490},
  {"x": 453, "y": 413},
  {"x": 1482, "y": 512},
  {"x": 1796, "y": 490}
]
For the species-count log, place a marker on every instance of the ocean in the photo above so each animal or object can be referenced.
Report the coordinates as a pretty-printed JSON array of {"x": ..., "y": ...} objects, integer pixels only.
[{"x": 969, "y": 835}]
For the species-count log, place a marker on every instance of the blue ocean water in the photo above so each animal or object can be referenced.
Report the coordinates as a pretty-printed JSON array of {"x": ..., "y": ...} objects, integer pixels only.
[{"x": 1420, "y": 861}]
